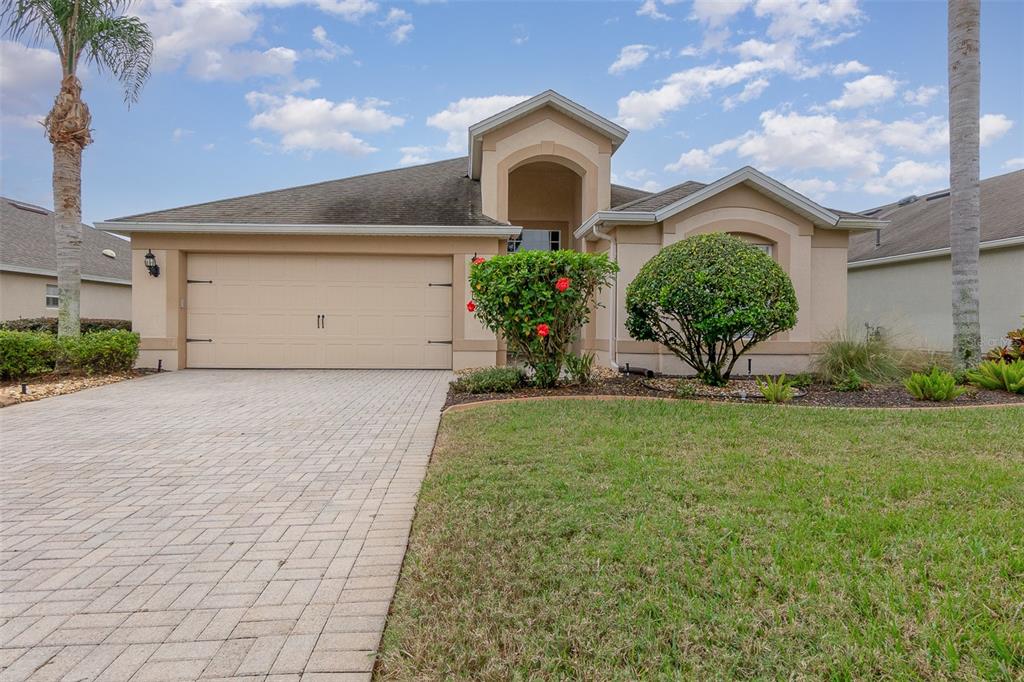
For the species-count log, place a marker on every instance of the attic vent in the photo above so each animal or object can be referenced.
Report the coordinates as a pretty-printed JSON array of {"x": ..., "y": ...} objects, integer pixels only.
[
  {"x": 874, "y": 211},
  {"x": 907, "y": 200},
  {"x": 937, "y": 196},
  {"x": 29, "y": 207},
  {"x": 109, "y": 253}
]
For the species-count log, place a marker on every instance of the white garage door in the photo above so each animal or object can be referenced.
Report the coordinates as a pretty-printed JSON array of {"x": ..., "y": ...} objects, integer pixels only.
[{"x": 270, "y": 311}]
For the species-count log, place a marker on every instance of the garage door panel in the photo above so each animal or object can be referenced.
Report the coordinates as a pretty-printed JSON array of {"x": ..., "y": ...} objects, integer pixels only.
[{"x": 263, "y": 311}]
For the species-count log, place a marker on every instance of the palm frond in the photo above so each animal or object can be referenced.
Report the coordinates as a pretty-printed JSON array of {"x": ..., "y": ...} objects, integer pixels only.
[
  {"x": 37, "y": 22},
  {"x": 124, "y": 46}
]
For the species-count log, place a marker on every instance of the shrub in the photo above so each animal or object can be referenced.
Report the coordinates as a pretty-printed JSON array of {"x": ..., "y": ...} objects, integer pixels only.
[
  {"x": 580, "y": 367},
  {"x": 852, "y": 381},
  {"x": 802, "y": 380},
  {"x": 113, "y": 350},
  {"x": 49, "y": 324},
  {"x": 23, "y": 353},
  {"x": 1013, "y": 351},
  {"x": 709, "y": 299},
  {"x": 936, "y": 385},
  {"x": 778, "y": 390},
  {"x": 538, "y": 301},
  {"x": 872, "y": 359},
  {"x": 999, "y": 376},
  {"x": 685, "y": 389},
  {"x": 490, "y": 380}
]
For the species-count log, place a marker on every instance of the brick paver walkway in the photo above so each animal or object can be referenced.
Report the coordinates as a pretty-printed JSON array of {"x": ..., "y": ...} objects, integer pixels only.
[{"x": 209, "y": 524}]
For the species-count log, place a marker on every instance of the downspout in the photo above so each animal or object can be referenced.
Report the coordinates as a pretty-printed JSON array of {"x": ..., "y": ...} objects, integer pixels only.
[{"x": 613, "y": 326}]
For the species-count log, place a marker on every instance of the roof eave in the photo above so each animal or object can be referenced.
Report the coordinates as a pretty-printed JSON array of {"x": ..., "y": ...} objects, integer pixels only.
[
  {"x": 127, "y": 228},
  {"x": 990, "y": 245}
]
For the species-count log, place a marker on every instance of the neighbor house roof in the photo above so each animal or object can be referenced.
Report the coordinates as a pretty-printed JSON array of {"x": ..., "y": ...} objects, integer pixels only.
[
  {"x": 663, "y": 205},
  {"x": 28, "y": 244},
  {"x": 615, "y": 133},
  {"x": 920, "y": 225}
]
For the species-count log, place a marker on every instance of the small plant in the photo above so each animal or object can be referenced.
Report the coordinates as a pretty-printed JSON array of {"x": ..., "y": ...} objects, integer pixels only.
[
  {"x": 802, "y": 380},
  {"x": 686, "y": 389},
  {"x": 872, "y": 358},
  {"x": 852, "y": 381},
  {"x": 937, "y": 385},
  {"x": 490, "y": 380},
  {"x": 113, "y": 350},
  {"x": 1012, "y": 352},
  {"x": 999, "y": 376},
  {"x": 23, "y": 353},
  {"x": 777, "y": 390},
  {"x": 580, "y": 368}
]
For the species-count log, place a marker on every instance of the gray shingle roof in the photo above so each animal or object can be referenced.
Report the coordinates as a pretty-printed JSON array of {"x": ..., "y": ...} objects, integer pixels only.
[
  {"x": 622, "y": 195},
  {"x": 27, "y": 240},
  {"x": 659, "y": 200},
  {"x": 436, "y": 193},
  {"x": 923, "y": 225}
]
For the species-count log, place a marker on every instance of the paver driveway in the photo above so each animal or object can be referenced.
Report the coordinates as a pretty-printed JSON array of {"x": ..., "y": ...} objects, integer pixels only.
[{"x": 209, "y": 524}]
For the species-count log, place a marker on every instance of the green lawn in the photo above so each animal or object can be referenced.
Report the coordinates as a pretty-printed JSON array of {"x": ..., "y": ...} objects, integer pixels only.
[{"x": 625, "y": 540}]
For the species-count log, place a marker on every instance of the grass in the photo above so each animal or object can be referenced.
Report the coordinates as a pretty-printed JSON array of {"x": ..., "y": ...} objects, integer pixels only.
[
  {"x": 873, "y": 358},
  {"x": 652, "y": 540}
]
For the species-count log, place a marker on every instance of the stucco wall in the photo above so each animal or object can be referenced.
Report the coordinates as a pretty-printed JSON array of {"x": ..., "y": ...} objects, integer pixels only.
[
  {"x": 160, "y": 304},
  {"x": 24, "y": 295},
  {"x": 912, "y": 299}
]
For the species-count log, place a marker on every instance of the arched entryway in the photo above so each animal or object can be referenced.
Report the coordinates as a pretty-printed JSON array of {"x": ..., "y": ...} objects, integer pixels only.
[{"x": 545, "y": 197}]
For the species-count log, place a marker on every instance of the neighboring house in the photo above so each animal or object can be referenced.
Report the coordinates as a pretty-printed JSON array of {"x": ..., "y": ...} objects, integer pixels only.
[
  {"x": 28, "y": 267},
  {"x": 901, "y": 279},
  {"x": 371, "y": 271}
]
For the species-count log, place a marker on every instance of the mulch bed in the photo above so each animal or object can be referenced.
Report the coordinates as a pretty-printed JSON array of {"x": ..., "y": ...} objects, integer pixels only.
[
  {"x": 741, "y": 391},
  {"x": 49, "y": 385}
]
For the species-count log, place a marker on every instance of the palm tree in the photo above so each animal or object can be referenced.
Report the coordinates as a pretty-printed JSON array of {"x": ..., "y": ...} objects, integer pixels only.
[
  {"x": 964, "y": 169},
  {"x": 99, "y": 31}
]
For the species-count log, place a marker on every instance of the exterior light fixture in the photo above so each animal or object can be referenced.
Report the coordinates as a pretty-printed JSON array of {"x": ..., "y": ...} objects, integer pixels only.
[{"x": 151, "y": 265}]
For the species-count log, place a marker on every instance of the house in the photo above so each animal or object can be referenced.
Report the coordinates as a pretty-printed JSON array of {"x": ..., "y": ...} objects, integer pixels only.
[
  {"x": 371, "y": 271},
  {"x": 901, "y": 278},
  {"x": 28, "y": 267}
]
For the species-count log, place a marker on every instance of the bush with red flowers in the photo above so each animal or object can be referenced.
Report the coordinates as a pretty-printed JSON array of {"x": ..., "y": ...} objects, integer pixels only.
[{"x": 538, "y": 301}]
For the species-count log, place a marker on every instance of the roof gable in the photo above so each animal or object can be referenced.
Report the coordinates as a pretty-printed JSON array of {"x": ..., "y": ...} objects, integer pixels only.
[{"x": 615, "y": 133}]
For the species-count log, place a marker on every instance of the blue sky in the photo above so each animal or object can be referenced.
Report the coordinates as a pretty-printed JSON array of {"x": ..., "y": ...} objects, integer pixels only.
[{"x": 844, "y": 101}]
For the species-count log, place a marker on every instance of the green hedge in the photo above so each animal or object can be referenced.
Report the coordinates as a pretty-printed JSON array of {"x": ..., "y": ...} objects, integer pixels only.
[
  {"x": 23, "y": 353},
  {"x": 49, "y": 324}
]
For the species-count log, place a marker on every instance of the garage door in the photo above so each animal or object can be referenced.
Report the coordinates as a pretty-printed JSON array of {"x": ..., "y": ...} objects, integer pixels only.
[{"x": 270, "y": 311}]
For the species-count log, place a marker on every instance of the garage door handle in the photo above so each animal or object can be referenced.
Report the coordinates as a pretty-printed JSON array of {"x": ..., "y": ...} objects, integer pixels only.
[
  {"x": 198, "y": 340},
  {"x": 199, "y": 281},
  {"x": 445, "y": 342},
  {"x": 439, "y": 284}
]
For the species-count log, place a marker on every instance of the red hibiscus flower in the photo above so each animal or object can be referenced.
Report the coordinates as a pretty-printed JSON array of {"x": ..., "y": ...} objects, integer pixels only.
[
  {"x": 471, "y": 306},
  {"x": 542, "y": 330},
  {"x": 562, "y": 284},
  {"x": 478, "y": 260}
]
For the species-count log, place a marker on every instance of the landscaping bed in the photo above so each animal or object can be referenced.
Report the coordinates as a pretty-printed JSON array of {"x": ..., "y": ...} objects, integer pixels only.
[
  {"x": 681, "y": 540},
  {"x": 49, "y": 385},
  {"x": 610, "y": 383}
]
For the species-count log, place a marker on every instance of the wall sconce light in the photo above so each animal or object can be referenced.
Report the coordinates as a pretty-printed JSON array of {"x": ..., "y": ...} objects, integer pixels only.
[{"x": 151, "y": 265}]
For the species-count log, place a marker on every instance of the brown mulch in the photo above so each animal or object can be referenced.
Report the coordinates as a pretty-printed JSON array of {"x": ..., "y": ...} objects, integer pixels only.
[
  {"x": 49, "y": 385},
  {"x": 740, "y": 391}
]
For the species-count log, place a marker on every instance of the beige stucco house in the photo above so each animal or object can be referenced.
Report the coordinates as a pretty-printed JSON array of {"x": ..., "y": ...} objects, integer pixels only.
[
  {"x": 28, "y": 267},
  {"x": 901, "y": 279},
  {"x": 371, "y": 271}
]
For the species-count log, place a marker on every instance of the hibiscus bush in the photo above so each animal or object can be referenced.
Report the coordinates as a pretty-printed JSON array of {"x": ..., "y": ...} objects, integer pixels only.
[
  {"x": 538, "y": 301},
  {"x": 709, "y": 299}
]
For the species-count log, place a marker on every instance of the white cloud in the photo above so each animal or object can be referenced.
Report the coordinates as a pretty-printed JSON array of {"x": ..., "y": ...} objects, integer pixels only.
[
  {"x": 695, "y": 160},
  {"x": 459, "y": 115},
  {"x": 401, "y": 24},
  {"x": 1011, "y": 164},
  {"x": 921, "y": 136},
  {"x": 716, "y": 13},
  {"x": 849, "y": 68},
  {"x": 209, "y": 147},
  {"x": 630, "y": 57},
  {"x": 806, "y": 18},
  {"x": 922, "y": 96},
  {"x": 642, "y": 179},
  {"x": 233, "y": 65},
  {"x": 867, "y": 90},
  {"x": 751, "y": 91},
  {"x": 306, "y": 124},
  {"x": 179, "y": 134},
  {"x": 29, "y": 80},
  {"x": 994, "y": 126},
  {"x": 328, "y": 50},
  {"x": 908, "y": 176},
  {"x": 521, "y": 37},
  {"x": 414, "y": 155},
  {"x": 815, "y": 188},
  {"x": 649, "y": 8}
]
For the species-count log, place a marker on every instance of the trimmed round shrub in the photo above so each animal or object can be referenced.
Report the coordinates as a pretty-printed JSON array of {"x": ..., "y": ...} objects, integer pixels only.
[
  {"x": 709, "y": 299},
  {"x": 113, "y": 350},
  {"x": 538, "y": 301},
  {"x": 23, "y": 354}
]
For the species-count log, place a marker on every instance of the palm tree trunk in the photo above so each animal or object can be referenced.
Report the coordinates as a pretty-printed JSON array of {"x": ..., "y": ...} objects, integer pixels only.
[
  {"x": 964, "y": 170},
  {"x": 67, "y": 126},
  {"x": 67, "y": 208}
]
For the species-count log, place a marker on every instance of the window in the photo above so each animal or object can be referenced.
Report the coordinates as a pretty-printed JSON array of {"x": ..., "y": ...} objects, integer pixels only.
[
  {"x": 52, "y": 296},
  {"x": 536, "y": 240},
  {"x": 767, "y": 248}
]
